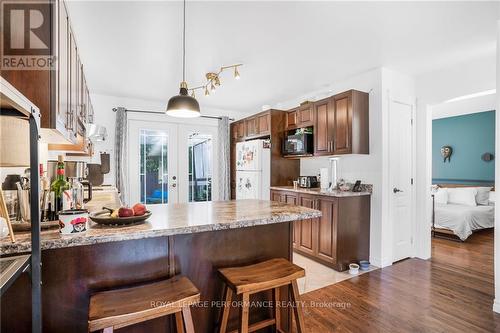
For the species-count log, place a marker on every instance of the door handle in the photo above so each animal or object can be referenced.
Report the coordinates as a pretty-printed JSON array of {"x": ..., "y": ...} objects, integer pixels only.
[{"x": 396, "y": 190}]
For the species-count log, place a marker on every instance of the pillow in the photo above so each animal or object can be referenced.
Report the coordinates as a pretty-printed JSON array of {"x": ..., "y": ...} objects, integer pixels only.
[
  {"x": 441, "y": 196},
  {"x": 462, "y": 196},
  {"x": 483, "y": 195}
]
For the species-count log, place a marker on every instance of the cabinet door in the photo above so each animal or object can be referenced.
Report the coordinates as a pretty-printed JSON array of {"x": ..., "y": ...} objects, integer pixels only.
[
  {"x": 277, "y": 196},
  {"x": 251, "y": 126},
  {"x": 264, "y": 124},
  {"x": 73, "y": 85},
  {"x": 342, "y": 127},
  {"x": 323, "y": 129},
  {"x": 240, "y": 130},
  {"x": 291, "y": 119},
  {"x": 327, "y": 229},
  {"x": 305, "y": 115},
  {"x": 62, "y": 111},
  {"x": 308, "y": 239}
]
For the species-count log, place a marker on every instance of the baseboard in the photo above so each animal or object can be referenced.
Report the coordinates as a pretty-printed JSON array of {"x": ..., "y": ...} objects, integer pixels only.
[
  {"x": 378, "y": 262},
  {"x": 496, "y": 305}
]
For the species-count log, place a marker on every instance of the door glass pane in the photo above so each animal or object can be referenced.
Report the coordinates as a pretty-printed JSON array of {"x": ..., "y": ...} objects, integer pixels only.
[
  {"x": 200, "y": 167},
  {"x": 153, "y": 166}
]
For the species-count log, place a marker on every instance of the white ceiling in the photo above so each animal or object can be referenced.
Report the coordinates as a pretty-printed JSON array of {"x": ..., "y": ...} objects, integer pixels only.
[{"x": 133, "y": 49}]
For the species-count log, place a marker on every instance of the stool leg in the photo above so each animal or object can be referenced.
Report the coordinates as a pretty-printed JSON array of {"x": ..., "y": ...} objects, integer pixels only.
[
  {"x": 228, "y": 294},
  {"x": 245, "y": 308},
  {"x": 179, "y": 323},
  {"x": 188, "y": 319},
  {"x": 299, "y": 316},
  {"x": 277, "y": 310}
]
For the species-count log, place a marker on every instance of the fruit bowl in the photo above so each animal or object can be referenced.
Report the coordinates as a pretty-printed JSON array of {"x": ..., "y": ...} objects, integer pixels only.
[{"x": 104, "y": 217}]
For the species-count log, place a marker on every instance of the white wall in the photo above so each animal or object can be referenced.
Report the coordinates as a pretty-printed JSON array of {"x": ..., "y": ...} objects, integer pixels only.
[
  {"x": 103, "y": 105},
  {"x": 467, "y": 106}
]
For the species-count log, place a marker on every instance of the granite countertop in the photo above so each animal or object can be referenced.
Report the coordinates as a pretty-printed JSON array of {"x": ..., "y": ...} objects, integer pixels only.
[
  {"x": 318, "y": 191},
  {"x": 172, "y": 220}
]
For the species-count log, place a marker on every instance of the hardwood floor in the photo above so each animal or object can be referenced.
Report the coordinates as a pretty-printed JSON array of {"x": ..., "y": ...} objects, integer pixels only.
[{"x": 452, "y": 292}]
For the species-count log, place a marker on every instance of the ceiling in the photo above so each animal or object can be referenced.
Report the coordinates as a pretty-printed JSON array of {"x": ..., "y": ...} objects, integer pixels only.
[{"x": 133, "y": 49}]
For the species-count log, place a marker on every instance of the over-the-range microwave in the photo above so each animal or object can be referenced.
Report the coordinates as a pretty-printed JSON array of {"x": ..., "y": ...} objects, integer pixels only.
[{"x": 298, "y": 144}]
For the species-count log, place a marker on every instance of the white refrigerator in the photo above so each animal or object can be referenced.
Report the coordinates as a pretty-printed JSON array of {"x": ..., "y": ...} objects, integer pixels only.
[{"x": 253, "y": 174}]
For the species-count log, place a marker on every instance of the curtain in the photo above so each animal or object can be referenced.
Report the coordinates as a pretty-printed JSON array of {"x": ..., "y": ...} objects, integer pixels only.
[
  {"x": 121, "y": 130},
  {"x": 224, "y": 159}
]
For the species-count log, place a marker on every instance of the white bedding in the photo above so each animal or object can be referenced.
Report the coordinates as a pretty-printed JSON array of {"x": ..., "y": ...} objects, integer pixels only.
[{"x": 463, "y": 220}]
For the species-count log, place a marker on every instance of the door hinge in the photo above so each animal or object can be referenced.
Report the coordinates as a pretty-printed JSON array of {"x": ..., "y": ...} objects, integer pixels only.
[
  {"x": 411, "y": 121},
  {"x": 411, "y": 240},
  {"x": 411, "y": 181}
]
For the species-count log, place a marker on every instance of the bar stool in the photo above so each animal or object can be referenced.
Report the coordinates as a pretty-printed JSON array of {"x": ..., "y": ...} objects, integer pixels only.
[
  {"x": 115, "y": 309},
  {"x": 267, "y": 275}
]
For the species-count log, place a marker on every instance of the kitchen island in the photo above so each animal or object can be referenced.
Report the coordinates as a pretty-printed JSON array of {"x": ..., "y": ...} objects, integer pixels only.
[{"x": 192, "y": 239}]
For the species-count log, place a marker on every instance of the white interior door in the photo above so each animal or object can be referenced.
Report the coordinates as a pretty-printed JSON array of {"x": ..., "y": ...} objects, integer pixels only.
[
  {"x": 153, "y": 168},
  {"x": 401, "y": 173}
]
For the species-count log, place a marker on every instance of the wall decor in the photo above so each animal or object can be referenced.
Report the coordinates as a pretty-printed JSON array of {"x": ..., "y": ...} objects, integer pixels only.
[
  {"x": 446, "y": 152},
  {"x": 487, "y": 157}
]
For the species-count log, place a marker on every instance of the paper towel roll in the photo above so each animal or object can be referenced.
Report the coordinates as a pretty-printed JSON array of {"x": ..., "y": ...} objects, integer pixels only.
[{"x": 325, "y": 182}]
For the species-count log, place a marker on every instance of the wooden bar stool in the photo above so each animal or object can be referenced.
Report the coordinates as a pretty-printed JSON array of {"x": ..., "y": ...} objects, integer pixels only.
[
  {"x": 267, "y": 275},
  {"x": 115, "y": 309}
]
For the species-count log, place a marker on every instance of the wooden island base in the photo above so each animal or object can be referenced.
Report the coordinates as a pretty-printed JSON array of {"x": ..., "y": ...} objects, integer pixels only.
[{"x": 71, "y": 274}]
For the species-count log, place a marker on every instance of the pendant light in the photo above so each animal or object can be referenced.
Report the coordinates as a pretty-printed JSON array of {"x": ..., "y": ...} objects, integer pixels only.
[{"x": 183, "y": 105}]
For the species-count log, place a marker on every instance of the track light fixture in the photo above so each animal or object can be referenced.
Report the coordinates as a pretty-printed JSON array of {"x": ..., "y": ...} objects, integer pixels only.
[{"x": 214, "y": 81}]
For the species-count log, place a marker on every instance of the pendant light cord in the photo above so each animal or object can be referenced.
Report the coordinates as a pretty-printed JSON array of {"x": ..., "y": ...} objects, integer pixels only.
[{"x": 184, "y": 45}]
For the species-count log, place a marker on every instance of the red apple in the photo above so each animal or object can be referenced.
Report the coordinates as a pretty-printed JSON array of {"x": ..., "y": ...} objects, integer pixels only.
[
  {"x": 125, "y": 212},
  {"x": 139, "y": 209}
]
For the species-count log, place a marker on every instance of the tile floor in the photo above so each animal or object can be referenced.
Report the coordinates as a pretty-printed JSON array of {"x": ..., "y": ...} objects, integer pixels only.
[{"x": 318, "y": 275}]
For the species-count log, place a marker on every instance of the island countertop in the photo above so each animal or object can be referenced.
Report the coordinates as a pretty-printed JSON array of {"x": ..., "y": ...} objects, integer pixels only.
[{"x": 173, "y": 219}]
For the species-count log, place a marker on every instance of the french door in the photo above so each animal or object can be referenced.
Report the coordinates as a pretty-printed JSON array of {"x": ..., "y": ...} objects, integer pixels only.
[{"x": 170, "y": 163}]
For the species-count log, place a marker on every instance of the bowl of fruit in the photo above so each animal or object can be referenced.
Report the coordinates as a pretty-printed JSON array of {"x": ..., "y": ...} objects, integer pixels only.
[{"x": 122, "y": 215}]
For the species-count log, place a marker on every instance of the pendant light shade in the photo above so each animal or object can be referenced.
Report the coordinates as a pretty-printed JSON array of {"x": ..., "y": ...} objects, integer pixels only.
[{"x": 183, "y": 105}]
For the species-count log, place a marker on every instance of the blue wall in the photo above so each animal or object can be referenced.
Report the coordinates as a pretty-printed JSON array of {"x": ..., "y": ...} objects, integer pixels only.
[{"x": 470, "y": 136}]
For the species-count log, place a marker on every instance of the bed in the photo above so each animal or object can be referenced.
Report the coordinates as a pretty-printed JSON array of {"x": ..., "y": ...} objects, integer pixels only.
[{"x": 458, "y": 221}]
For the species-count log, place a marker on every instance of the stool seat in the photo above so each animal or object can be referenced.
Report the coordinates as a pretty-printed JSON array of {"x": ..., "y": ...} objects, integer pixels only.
[
  {"x": 261, "y": 276},
  {"x": 273, "y": 275},
  {"x": 127, "y": 306}
]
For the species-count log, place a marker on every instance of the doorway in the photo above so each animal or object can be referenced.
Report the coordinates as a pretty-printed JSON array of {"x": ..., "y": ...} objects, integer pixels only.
[{"x": 171, "y": 163}]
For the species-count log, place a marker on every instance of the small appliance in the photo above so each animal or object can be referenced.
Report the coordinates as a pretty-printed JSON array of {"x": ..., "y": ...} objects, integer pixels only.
[
  {"x": 298, "y": 144},
  {"x": 308, "y": 181}
]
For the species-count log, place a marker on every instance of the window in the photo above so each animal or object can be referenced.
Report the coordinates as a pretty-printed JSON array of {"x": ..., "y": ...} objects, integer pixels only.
[
  {"x": 153, "y": 166},
  {"x": 200, "y": 167}
]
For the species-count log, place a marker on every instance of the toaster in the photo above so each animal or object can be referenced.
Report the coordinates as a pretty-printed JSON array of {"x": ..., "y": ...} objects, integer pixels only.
[{"x": 308, "y": 181}]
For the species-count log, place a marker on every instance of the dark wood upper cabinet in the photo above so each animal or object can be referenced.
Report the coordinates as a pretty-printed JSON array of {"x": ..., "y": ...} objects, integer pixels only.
[
  {"x": 58, "y": 92},
  {"x": 263, "y": 123},
  {"x": 305, "y": 115},
  {"x": 251, "y": 126},
  {"x": 291, "y": 119},
  {"x": 323, "y": 128},
  {"x": 351, "y": 124},
  {"x": 342, "y": 124}
]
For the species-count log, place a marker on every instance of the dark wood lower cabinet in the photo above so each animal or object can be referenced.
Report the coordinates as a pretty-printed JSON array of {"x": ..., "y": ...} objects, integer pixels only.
[{"x": 341, "y": 236}]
